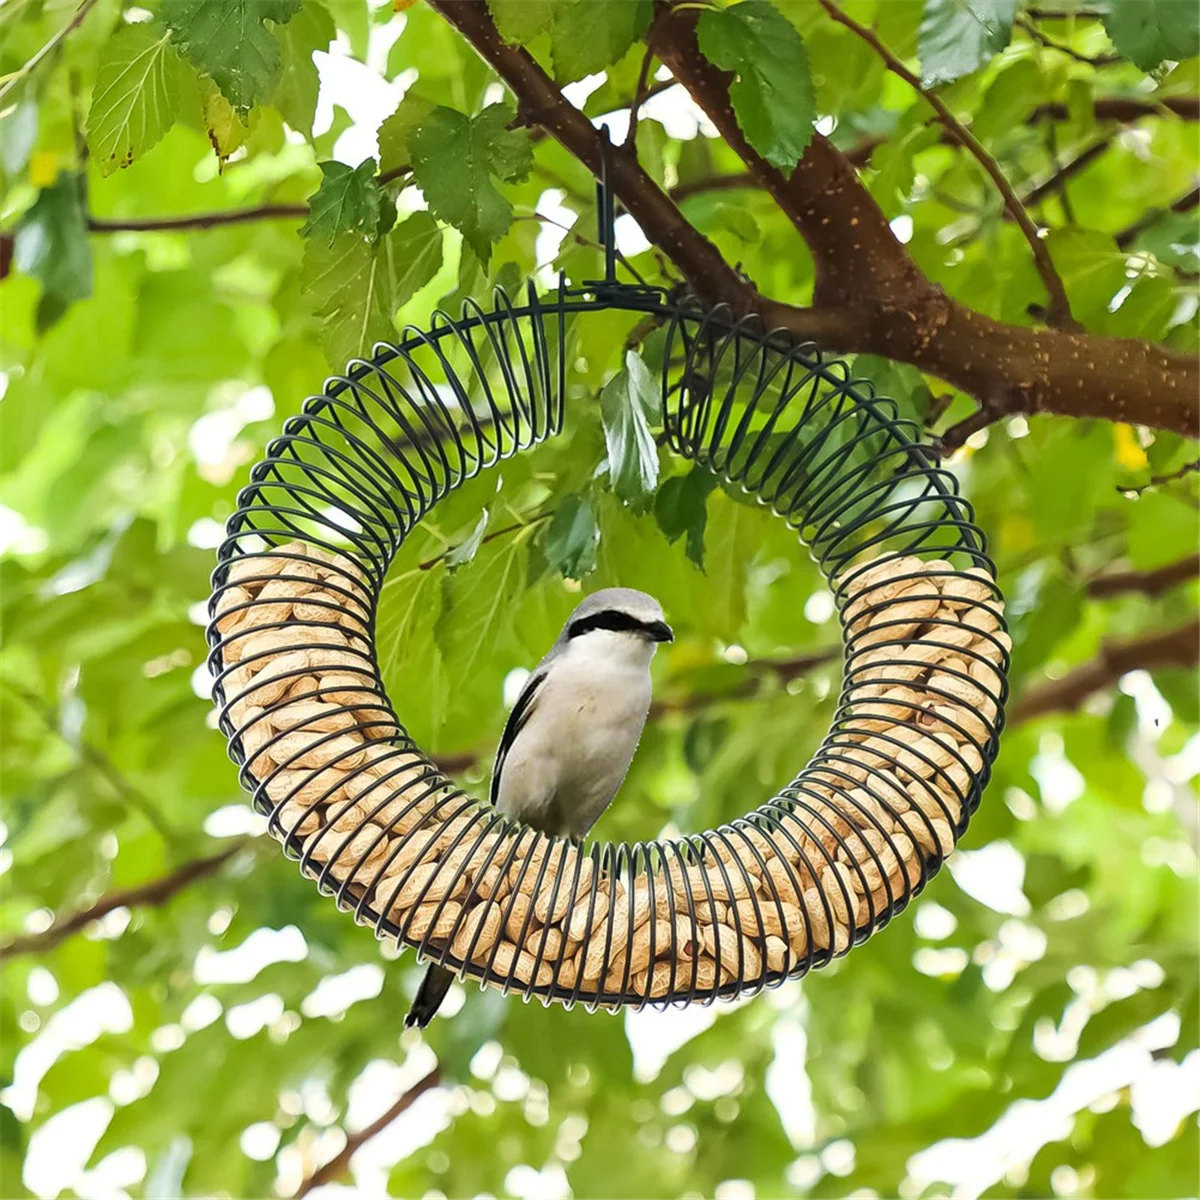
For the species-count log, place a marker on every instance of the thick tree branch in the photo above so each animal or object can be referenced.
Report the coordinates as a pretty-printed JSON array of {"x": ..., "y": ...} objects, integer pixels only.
[
  {"x": 153, "y": 894},
  {"x": 1175, "y": 648},
  {"x": 337, "y": 1166},
  {"x": 870, "y": 296},
  {"x": 1148, "y": 583},
  {"x": 1059, "y": 310}
]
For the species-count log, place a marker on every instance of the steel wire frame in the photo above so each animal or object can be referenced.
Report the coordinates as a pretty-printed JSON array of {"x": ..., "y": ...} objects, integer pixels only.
[{"x": 366, "y": 460}]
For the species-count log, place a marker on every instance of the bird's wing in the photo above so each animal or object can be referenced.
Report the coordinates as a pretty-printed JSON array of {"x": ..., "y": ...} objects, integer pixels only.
[{"x": 521, "y": 712}]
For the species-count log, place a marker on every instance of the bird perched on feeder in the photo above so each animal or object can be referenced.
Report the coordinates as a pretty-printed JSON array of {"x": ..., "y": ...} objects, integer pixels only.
[{"x": 571, "y": 734}]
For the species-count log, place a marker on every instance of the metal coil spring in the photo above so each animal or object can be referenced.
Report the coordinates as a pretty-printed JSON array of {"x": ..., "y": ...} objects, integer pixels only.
[{"x": 814, "y": 870}]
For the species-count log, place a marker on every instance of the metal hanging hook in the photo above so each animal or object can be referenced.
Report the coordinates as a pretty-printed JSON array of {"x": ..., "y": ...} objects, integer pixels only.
[{"x": 605, "y": 211}]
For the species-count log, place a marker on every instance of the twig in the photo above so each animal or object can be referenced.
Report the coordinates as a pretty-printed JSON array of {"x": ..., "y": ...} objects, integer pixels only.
[
  {"x": 232, "y": 216},
  {"x": 957, "y": 435},
  {"x": 1059, "y": 311},
  {"x": 1188, "y": 468},
  {"x": 1126, "y": 109},
  {"x": 1130, "y": 233},
  {"x": 336, "y": 1167},
  {"x": 32, "y": 64},
  {"x": 1044, "y": 39},
  {"x": 430, "y": 563},
  {"x": 639, "y": 98},
  {"x": 153, "y": 894},
  {"x": 1175, "y": 648},
  {"x": 1049, "y": 14},
  {"x": 96, "y": 758},
  {"x": 1067, "y": 171},
  {"x": 1147, "y": 583},
  {"x": 713, "y": 183}
]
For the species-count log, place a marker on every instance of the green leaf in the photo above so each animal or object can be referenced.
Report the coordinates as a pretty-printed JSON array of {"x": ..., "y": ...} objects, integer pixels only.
[
  {"x": 571, "y": 539},
  {"x": 353, "y": 286},
  {"x": 738, "y": 221},
  {"x": 772, "y": 95},
  {"x": 957, "y": 36},
  {"x": 395, "y": 134},
  {"x": 417, "y": 253},
  {"x": 346, "y": 202},
  {"x": 585, "y": 37},
  {"x": 295, "y": 95},
  {"x": 456, "y": 157},
  {"x": 629, "y": 404},
  {"x": 520, "y": 21},
  {"x": 135, "y": 97},
  {"x": 1147, "y": 32},
  {"x": 228, "y": 40},
  {"x": 226, "y": 130},
  {"x": 51, "y": 243},
  {"x": 479, "y": 604},
  {"x": 681, "y": 507},
  {"x": 466, "y": 550}
]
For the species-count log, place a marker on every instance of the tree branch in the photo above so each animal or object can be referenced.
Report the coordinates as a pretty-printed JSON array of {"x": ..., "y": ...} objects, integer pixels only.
[
  {"x": 1148, "y": 583},
  {"x": 31, "y": 64},
  {"x": 336, "y": 1167},
  {"x": 869, "y": 297},
  {"x": 1175, "y": 648},
  {"x": 1059, "y": 310},
  {"x": 1130, "y": 233},
  {"x": 211, "y": 220},
  {"x": 1126, "y": 109},
  {"x": 1044, "y": 39},
  {"x": 153, "y": 894}
]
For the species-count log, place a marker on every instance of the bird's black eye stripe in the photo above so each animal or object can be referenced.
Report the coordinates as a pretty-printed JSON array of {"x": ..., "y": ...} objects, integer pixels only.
[{"x": 617, "y": 622}]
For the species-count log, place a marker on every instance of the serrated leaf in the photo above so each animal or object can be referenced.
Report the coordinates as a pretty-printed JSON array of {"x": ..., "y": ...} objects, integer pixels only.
[
  {"x": 346, "y": 202},
  {"x": 227, "y": 40},
  {"x": 479, "y": 603},
  {"x": 571, "y": 539},
  {"x": 772, "y": 93},
  {"x": 353, "y": 286},
  {"x": 395, "y": 134},
  {"x": 586, "y": 36},
  {"x": 1147, "y": 32},
  {"x": 310, "y": 30},
  {"x": 629, "y": 404},
  {"x": 51, "y": 243},
  {"x": 520, "y": 21},
  {"x": 456, "y": 157},
  {"x": 135, "y": 97},
  {"x": 957, "y": 36},
  {"x": 417, "y": 244},
  {"x": 681, "y": 508}
]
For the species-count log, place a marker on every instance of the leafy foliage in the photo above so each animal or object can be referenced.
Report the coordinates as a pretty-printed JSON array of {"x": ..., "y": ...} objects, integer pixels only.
[
  {"x": 454, "y": 159},
  {"x": 772, "y": 94},
  {"x": 346, "y": 202},
  {"x": 228, "y": 40},
  {"x": 957, "y": 36},
  {"x": 135, "y": 98},
  {"x": 145, "y": 368}
]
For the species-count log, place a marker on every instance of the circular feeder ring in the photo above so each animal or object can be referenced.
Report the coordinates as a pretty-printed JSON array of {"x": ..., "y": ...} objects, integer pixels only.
[{"x": 812, "y": 871}]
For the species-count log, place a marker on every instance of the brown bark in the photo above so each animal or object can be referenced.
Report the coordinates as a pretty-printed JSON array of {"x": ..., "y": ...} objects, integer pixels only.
[
  {"x": 869, "y": 296},
  {"x": 1175, "y": 648}
]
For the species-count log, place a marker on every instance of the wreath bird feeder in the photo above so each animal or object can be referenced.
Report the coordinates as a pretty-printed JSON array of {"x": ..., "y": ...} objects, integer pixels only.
[{"x": 812, "y": 871}]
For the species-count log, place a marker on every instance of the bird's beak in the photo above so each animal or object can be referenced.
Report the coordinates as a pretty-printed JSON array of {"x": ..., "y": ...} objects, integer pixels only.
[{"x": 660, "y": 631}]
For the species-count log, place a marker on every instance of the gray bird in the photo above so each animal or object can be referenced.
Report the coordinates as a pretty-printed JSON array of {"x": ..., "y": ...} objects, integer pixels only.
[{"x": 571, "y": 734}]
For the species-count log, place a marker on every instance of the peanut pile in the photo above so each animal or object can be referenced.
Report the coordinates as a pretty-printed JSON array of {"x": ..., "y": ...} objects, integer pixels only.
[{"x": 798, "y": 881}]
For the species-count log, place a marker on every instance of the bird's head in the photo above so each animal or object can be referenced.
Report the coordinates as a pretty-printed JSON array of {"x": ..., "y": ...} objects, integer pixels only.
[{"x": 620, "y": 613}]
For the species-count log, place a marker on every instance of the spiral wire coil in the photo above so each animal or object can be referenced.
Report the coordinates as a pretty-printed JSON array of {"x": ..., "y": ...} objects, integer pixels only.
[{"x": 817, "y": 868}]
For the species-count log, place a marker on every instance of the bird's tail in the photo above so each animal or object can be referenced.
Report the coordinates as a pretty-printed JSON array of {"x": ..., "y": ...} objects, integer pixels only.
[{"x": 430, "y": 995}]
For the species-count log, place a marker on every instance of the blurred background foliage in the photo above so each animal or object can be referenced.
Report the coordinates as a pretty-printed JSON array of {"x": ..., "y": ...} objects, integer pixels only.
[{"x": 202, "y": 219}]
